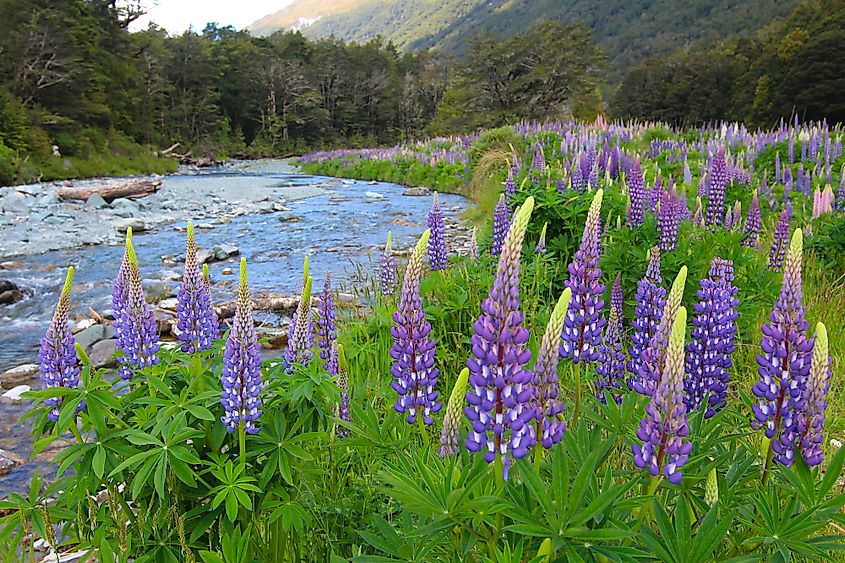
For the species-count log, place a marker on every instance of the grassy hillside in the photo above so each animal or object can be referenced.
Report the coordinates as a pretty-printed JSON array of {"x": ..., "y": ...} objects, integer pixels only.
[{"x": 629, "y": 31}]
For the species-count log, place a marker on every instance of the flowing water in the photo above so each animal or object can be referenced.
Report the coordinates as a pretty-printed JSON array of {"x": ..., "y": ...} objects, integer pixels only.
[{"x": 338, "y": 228}]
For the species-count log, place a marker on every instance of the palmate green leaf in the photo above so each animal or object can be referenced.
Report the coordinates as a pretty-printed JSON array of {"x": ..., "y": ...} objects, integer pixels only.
[{"x": 832, "y": 472}]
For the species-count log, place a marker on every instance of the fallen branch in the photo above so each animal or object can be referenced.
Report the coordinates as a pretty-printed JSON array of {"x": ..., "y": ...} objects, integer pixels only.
[{"x": 132, "y": 189}]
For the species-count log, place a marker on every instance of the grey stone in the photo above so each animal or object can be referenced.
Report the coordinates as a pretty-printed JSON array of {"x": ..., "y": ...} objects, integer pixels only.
[
  {"x": 15, "y": 202},
  {"x": 417, "y": 192},
  {"x": 288, "y": 217},
  {"x": 6, "y": 285},
  {"x": 95, "y": 201},
  {"x": 374, "y": 195},
  {"x": 137, "y": 225},
  {"x": 156, "y": 290},
  {"x": 8, "y": 461},
  {"x": 102, "y": 354},
  {"x": 18, "y": 375},
  {"x": 122, "y": 202},
  {"x": 11, "y": 296},
  {"x": 90, "y": 336},
  {"x": 13, "y": 395}
]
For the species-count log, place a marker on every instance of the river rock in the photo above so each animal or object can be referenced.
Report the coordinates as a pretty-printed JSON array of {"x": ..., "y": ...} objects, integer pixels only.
[
  {"x": 227, "y": 271},
  {"x": 95, "y": 201},
  {"x": 82, "y": 325},
  {"x": 90, "y": 336},
  {"x": 272, "y": 338},
  {"x": 157, "y": 290},
  {"x": 10, "y": 296},
  {"x": 13, "y": 395},
  {"x": 288, "y": 217},
  {"x": 168, "y": 304},
  {"x": 137, "y": 225},
  {"x": 8, "y": 461},
  {"x": 102, "y": 354},
  {"x": 419, "y": 191},
  {"x": 18, "y": 375},
  {"x": 217, "y": 253},
  {"x": 374, "y": 195},
  {"x": 15, "y": 202}
]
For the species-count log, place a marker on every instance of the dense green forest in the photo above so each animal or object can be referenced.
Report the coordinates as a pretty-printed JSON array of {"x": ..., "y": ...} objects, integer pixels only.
[{"x": 81, "y": 96}]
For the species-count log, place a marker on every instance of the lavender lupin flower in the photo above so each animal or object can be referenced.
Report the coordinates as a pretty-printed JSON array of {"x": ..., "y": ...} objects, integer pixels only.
[
  {"x": 611, "y": 366},
  {"x": 651, "y": 299},
  {"x": 637, "y": 195},
  {"x": 548, "y": 408},
  {"x": 196, "y": 320},
  {"x": 339, "y": 368},
  {"x": 326, "y": 333},
  {"x": 510, "y": 188},
  {"x": 414, "y": 374},
  {"x": 437, "y": 258},
  {"x": 718, "y": 183},
  {"x": 388, "y": 269},
  {"x": 668, "y": 219},
  {"x": 541, "y": 243},
  {"x": 664, "y": 449},
  {"x": 241, "y": 378},
  {"x": 784, "y": 363},
  {"x": 753, "y": 222},
  {"x": 812, "y": 416},
  {"x": 451, "y": 430},
  {"x": 538, "y": 165},
  {"x": 301, "y": 335},
  {"x": 653, "y": 357},
  {"x": 135, "y": 325},
  {"x": 779, "y": 243},
  {"x": 617, "y": 300},
  {"x": 501, "y": 224},
  {"x": 500, "y": 393},
  {"x": 214, "y": 320},
  {"x": 583, "y": 326},
  {"x": 708, "y": 359},
  {"x": 58, "y": 364}
]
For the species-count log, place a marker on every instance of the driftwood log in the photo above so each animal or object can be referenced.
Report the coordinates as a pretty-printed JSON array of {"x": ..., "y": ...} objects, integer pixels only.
[{"x": 132, "y": 189}]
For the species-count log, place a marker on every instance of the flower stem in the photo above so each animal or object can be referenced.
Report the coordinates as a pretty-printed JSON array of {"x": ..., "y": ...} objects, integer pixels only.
[
  {"x": 770, "y": 454},
  {"x": 538, "y": 449},
  {"x": 423, "y": 431},
  {"x": 576, "y": 411},
  {"x": 242, "y": 443}
]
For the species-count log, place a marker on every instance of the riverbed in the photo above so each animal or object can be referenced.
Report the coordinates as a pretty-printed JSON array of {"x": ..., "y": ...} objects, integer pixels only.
[{"x": 273, "y": 215}]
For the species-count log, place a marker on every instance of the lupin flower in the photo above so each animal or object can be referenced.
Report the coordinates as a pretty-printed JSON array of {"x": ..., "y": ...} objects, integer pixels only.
[
  {"x": 663, "y": 431},
  {"x": 541, "y": 244},
  {"x": 510, "y": 188},
  {"x": 753, "y": 222},
  {"x": 241, "y": 378},
  {"x": 812, "y": 416},
  {"x": 548, "y": 408},
  {"x": 784, "y": 363},
  {"x": 340, "y": 367},
  {"x": 617, "y": 300},
  {"x": 653, "y": 357},
  {"x": 650, "y": 299},
  {"x": 611, "y": 366},
  {"x": 779, "y": 242},
  {"x": 437, "y": 246},
  {"x": 214, "y": 320},
  {"x": 718, "y": 183},
  {"x": 712, "y": 340},
  {"x": 135, "y": 325},
  {"x": 637, "y": 195},
  {"x": 737, "y": 215},
  {"x": 414, "y": 374},
  {"x": 301, "y": 330},
  {"x": 668, "y": 219},
  {"x": 451, "y": 430},
  {"x": 196, "y": 320},
  {"x": 538, "y": 165},
  {"x": 728, "y": 223},
  {"x": 473, "y": 246},
  {"x": 711, "y": 488},
  {"x": 326, "y": 334},
  {"x": 501, "y": 224},
  {"x": 697, "y": 217},
  {"x": 500, "y": 393},
  {"x": 388, "y": 269},
  {"x": 583, "y": 326},
  {"x": 58, "y": 363}
]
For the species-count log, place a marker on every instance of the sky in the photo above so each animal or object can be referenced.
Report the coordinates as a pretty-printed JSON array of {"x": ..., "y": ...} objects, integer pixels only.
[{"x": 178, "y": 15}]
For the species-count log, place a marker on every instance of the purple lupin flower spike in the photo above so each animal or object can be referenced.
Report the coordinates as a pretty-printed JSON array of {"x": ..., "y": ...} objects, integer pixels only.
[
  {"x": 611, "y": 366},
  {"x": 784, "y": 363},
  {"x": 301, "y": 330},
  {"x": 538, "y": 165},
  {"x": 196, "y": 320},
  {"x": 326, "y": 333},
  {"x": 650, "y": 299},
  {"x": 451, "y": 430},
  {"x": 668, "y": 219},
  {"x": 617, "y": 300},
  {"x": 653, "y": 357},
  {"x": 58, "y": 364},
  {"x": 510, "y": 188},
  {"x": 708, "y": 359},
  {"x": 636, "y": 195},
  {"x": 541, "y": 243},
  {"x": 499, "y": 393},
  {"x": 728, "y": 222},
  {"x": 241, "y": 378},
  {"x": 779, "y": 243},
  {"x": 501, "y": 223},
  {"x": 812, "y": 416},
  {"x": 135, "y": 325},
  {"x": 664, "y": 449},
  {"x": 414, "y": 374},
  {"x": 548, "y": 408},
  {"x": 718, "y": 183},
  {"x": 437, "y": 246},
  {"x": 388, "y": 269},
  {"x": 214, "y": 320},
  {"x": 339, "y": 368},
  {"x": 753, "y": 222},
  {"x": 583, "y": 326}
]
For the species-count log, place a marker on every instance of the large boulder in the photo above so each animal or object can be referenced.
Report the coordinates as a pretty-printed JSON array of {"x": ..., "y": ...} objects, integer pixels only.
[
  {"x": 90, "y": 336},
  {"x": 102, "y": 354},
  {"x": 15, "y": 202},
  {"x": 95, "y": 201},
  {"x": 9, "y": 293}
]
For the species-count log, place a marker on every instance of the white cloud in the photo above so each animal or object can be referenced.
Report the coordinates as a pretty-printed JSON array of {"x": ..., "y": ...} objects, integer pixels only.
[{"x": 178, "y": 15}]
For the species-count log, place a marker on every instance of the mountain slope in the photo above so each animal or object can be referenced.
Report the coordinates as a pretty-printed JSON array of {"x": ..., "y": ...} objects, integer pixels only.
[
  {"x": 302, "y": 13},
  {"x": 629, "y": 30}
]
